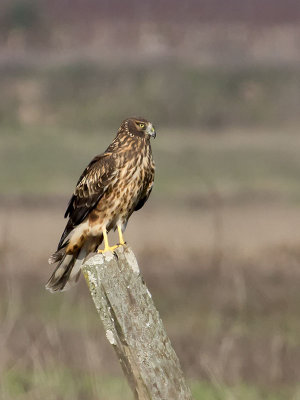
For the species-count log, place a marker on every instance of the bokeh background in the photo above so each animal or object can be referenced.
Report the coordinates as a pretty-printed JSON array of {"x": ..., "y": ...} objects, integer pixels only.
[{"x": 218, "y": 242}]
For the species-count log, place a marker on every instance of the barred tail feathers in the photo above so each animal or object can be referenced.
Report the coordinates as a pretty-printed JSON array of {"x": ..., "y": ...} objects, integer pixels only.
[{"x": 67, "y": 273}]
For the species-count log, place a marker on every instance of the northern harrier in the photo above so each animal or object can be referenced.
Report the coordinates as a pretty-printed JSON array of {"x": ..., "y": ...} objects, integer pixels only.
[{"x": 114, "y": 185}]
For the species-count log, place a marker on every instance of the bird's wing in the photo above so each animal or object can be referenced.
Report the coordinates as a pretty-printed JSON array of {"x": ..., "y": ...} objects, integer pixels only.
[
  {"x": 146, "y": 192},
  {"x": 142, "y": 201},
  {"x": 91, "y": 186}
]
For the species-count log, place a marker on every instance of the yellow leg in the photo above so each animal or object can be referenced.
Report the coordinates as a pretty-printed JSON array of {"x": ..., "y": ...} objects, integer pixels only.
[
  {"x": 106, "y": 244},
  {"x": 121, "y": 239}
]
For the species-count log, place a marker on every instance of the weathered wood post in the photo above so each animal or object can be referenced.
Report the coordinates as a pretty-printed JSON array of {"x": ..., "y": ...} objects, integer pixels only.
[{"x": 133, "y": 326}]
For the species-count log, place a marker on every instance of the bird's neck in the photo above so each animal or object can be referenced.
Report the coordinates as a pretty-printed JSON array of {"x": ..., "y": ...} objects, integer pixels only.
[{"x": 124, "y": 140}]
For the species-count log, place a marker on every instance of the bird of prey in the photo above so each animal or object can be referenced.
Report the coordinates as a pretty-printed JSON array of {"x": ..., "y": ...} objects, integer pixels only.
[{"x": 114, "y": 185}]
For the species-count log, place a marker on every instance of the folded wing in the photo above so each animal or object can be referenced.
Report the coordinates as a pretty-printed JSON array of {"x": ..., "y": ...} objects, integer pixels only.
[{"x": 91, "y": 186}]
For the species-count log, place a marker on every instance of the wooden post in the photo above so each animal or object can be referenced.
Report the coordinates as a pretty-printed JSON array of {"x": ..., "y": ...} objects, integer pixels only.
[{"x": 133, "y": 326}]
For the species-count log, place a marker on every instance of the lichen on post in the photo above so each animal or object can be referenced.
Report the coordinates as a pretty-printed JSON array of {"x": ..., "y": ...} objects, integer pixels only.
[{"x": 133, "y": 326}]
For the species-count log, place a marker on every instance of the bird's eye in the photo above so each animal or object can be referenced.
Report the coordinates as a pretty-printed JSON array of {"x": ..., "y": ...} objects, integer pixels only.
[{"x": 142, "y": 125}]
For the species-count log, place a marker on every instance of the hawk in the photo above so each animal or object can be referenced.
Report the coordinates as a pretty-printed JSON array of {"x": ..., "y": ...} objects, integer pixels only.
[{"x": 114, "y": 185}]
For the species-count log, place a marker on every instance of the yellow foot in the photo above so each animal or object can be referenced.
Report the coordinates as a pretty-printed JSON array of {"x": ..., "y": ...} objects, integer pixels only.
[{"x": 108, "y": 248}]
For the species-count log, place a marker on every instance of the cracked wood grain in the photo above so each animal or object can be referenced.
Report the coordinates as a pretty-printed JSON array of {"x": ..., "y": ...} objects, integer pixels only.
[{"x": 133, "y": 326}]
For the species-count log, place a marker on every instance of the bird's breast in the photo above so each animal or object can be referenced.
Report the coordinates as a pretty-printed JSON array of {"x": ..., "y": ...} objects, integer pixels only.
[{"x": 124, "y": 192}]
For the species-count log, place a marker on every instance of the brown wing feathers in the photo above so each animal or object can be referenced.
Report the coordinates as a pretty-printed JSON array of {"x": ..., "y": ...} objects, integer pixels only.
[{"x": 90, "y": 188}]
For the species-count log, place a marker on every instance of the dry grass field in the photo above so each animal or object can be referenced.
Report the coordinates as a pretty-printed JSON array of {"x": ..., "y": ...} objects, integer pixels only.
[{"x": 229, "y": 306}]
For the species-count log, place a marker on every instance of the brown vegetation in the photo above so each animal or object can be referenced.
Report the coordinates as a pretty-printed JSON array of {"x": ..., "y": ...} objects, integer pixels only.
[{"x": 230, "y": 307}]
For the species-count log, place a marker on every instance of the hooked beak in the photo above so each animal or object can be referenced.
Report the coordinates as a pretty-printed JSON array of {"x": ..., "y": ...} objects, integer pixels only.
[{"x": 151, "y": 131}]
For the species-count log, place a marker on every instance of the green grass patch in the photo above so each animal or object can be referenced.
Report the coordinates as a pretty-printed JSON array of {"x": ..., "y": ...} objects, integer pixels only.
[
  {"x": 59, "y": 382},
  {"x": 208, "y": 391}
]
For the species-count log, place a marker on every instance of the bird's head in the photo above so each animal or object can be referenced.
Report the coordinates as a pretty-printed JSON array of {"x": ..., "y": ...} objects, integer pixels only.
[{"x": 138, "y": 127}]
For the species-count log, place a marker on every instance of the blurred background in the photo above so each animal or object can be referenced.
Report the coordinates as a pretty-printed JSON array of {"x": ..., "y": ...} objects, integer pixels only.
[{"x": 218, "y": 242}]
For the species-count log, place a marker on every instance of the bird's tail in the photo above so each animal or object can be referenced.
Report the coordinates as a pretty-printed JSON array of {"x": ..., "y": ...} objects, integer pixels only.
[{"x": 67, "y": 272}]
